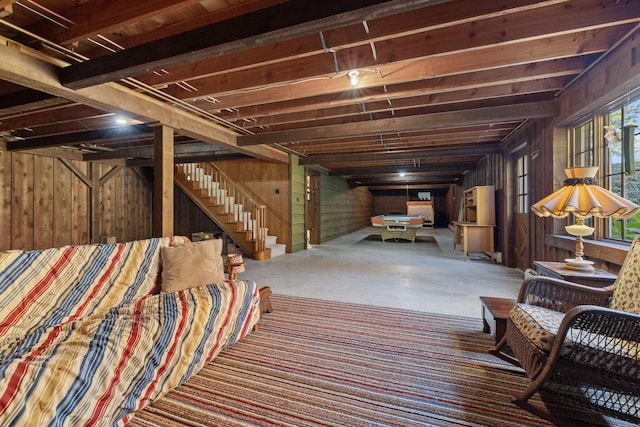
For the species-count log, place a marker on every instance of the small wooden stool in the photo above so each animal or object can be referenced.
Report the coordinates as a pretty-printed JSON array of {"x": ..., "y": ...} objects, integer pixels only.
[{"x": 265, "y": 302}]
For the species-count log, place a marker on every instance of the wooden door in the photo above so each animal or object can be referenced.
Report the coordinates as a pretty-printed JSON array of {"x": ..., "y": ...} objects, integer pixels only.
[
  {"x": 312, "y": 207},
  {"x": 522, "y": 253}
]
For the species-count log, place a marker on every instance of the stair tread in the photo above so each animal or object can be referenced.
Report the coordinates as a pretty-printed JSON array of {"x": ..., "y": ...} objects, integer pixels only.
[{"x": 205, "y": 191}]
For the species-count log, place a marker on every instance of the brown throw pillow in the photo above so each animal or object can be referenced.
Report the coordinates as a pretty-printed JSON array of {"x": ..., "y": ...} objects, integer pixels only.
[{"x": 191, "y": 264}]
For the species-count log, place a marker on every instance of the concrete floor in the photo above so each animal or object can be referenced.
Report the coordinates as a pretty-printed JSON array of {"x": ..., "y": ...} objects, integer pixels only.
[{"x": 429, "y": 277}]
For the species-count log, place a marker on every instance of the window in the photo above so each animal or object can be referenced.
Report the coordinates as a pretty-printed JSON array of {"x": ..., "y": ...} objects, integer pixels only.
[
  {"x": 583, "y": 146},
  {"x": 523, "y": 184},
  {"x": 621, "y": 148},
  {"x": 582, "y": 153},
  {"x": 600, "y": 141}
]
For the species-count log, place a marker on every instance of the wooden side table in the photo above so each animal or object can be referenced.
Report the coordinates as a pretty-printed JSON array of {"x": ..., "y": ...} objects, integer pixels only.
[
  {"x": 598, "y": 278},
  {"x": 495, "y": 312}
]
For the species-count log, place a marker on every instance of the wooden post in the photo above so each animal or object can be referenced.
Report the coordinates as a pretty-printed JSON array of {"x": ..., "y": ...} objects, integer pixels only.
[
  {"x": 163, "y": 182},
  {"x": 95, "y": 215}
]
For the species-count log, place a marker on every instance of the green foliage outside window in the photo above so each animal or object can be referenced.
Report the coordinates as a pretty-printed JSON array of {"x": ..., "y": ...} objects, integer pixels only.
[{"x": 625, "y": 184}]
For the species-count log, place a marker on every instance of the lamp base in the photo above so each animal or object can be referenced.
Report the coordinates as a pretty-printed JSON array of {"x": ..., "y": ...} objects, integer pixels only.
[{"x": 578, "y": 264}]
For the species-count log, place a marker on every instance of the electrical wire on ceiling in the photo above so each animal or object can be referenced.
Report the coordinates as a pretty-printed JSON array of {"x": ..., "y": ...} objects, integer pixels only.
[
  {"x": 384, "y": 145},
  {"x": 102, "y": 45},
  {"x": 46, "y": 13}
]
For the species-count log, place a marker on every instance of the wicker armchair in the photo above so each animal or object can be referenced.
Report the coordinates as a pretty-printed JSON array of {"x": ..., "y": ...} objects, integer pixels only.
[{"x": 580, "y": 343}]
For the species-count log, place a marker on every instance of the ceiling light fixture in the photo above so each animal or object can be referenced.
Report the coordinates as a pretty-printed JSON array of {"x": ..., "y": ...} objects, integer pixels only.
[{"x": 354, "y": 77}]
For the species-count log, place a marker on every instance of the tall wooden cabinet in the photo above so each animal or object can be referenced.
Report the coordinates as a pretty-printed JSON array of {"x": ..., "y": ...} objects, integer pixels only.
[
  {"x": 475, "y": 232},
  {"x": 480, "y": 205}
]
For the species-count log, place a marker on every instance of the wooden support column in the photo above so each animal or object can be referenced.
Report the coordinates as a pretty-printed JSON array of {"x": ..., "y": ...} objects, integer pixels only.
[
  {"x": 163, "y": 182},
  {"x": 94, "y": 208}
]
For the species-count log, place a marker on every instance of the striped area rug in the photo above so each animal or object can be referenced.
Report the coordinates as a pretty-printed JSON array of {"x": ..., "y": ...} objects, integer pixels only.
[{"x": 322, "y": 363}]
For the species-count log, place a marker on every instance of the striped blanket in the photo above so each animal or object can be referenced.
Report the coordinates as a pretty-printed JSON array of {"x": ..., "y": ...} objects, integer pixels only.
[{"x": 86, "y": 340}]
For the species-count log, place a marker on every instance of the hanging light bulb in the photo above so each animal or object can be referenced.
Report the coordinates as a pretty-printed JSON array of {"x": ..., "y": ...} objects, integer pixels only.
[{"x": 354, "y": 77}]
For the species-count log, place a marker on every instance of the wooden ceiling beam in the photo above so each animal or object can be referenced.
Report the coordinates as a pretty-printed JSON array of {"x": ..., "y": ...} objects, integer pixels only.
[
  {"x": 408, "y": 74},
  {"x": 550, "y": 71},
  {"x": 23, "y": 100},
  {"x": 557, "y": 68},
  {"x": 410, "y": 187},
  {"x": 457, "y": 35},
  {"x": 553, "y": 22},
  {"x": 406, "y": 162},
  {"x": 106, "y": 120},
  {"x": 440, "y": 179},
  {"x": 420, "y": 91},
  {"x": 404, "y": 124},
  {"x": 458, "y": 133},
  {"x": 390, "y": 147},
  {"x": 441, "y": 15},
  {"x": 94, "y": 119},
  {"x": 336, "y": 159},
  {"x": 396, "y": 115},
  {"x": 31, "y": 72},
  {"x": 91, "y": 136},
  {"x": 148, "y": 152},
  {"x": 349, "y": 144},
  {"x": 487, "y": 96},
  {"x": 106, "y": 68},
  {"x": 354, "y": 172},
  {"x": 190, "y": 158},
  {"x": 58, "y": 111},
  {"x": 86, "y": 20},
  {"x": 261, "y": 27}
]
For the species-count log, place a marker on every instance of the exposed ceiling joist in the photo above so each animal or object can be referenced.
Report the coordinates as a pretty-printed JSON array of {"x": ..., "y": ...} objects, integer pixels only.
[
  {"x": 406, "y": 187},
  {"x": 407, "y": 124},
  {"x": 449, "y": 152},
  {"x": 369, "y": 171},
  {"x": 30, "y": 72},
  {"x": 189, "y": 158},
  {"x": 294, "y": 18},
  {"x": 120, "y": 132},
  {"x": 148, "y": 152}
]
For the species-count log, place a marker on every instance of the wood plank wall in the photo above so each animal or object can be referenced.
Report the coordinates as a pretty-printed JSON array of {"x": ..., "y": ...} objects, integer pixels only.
[
  {"x": 125, "y": 205},
  {"x": 342, "y": 209},
  {"x": 50, "y": 202},
  {"x": 188, "y": 218},
  {"x": 387, "y": 204},
  {"x": 267, "y": 182}
]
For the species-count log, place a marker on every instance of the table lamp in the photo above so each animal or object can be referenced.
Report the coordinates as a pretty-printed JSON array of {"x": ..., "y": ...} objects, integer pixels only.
[
  {"x": 233, "y": 265},
  {"x": 583, "y": 197}
]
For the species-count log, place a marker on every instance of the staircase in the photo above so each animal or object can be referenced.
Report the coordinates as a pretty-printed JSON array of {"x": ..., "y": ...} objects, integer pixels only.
[{"x": 243, "y": 219}]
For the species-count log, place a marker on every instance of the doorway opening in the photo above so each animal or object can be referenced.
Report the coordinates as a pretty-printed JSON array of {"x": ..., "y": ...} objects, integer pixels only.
[{"x": 312, "y": 208}]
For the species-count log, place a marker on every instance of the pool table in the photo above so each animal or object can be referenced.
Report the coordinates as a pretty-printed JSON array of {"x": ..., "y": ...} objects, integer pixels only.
[{"x": 398, "y": 226}]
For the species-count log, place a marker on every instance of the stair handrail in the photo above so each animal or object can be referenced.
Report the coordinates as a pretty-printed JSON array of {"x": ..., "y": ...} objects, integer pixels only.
[{"x": 241, "y": 196}]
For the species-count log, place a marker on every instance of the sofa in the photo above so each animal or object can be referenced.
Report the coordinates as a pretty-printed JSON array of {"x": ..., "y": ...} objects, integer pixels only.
[{"x": 90, "y": 334}]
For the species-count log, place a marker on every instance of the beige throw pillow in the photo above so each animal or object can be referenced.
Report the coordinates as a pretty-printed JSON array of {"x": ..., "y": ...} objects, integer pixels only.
[{"x": 191, "y": 265}]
